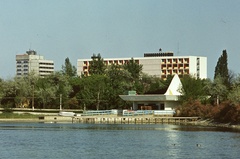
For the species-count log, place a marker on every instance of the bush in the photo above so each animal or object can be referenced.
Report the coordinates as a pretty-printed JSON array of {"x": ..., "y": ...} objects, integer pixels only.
[
  {"x": 7, "y": 108},
  {"x": 194, "y": 108},
  {"x": 227, "y": 113}
]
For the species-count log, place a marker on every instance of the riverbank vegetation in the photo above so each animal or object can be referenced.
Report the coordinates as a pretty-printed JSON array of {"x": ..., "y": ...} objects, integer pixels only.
[
  {"x": 217, "y": 99},
  {"x": 10, "y": 115}
]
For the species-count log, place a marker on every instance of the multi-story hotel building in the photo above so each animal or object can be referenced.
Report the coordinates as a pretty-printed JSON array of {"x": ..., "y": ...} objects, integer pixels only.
[
  {"x": 31, "y": 62},
  {"x": 159, "y": 64}
]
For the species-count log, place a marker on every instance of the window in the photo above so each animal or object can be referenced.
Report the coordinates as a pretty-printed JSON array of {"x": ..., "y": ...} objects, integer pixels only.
[{"x": 186, "y": 60}]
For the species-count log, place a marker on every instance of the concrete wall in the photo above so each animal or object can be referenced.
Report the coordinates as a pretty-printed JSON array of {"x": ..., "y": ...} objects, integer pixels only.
[{"x": 171, "y": 105}]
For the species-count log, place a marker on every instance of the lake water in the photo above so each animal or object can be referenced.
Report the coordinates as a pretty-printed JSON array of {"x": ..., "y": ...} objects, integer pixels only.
[{"x": 99, "y": 141}]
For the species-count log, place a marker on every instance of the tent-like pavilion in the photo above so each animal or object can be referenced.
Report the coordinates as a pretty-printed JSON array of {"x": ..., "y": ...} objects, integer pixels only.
[{"x": 167, "y": 101}]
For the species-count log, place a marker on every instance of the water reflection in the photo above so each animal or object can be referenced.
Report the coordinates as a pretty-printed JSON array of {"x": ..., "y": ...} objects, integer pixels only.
[
  {"x": 171, "y": 128},
  {"x": 205, "y": 128},
  {"x": 55, "y": 140}
]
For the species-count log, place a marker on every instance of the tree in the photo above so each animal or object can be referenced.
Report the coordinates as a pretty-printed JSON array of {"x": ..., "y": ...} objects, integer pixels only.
[
  {"x": 75, "y": 84},
  {"x": 232, "y": 77},
  {"x": 97, "y": 66},
  {"x": 134, "y": 68},
  {"x": 1, "y": 90},
  {"x": 62, "y": 85},
  {"x": 192, "y": 88},
  {"x": 221, "y": 69},
  {"x": 50, "y": 88},
  {"x": 68, "y": 69},
  {"x": 216, "y": 89},
  {"x": 24, "y": 91},
  {"x": 45, "y": 92},
  {"x": 9, "y": 93},
  {"x": 153, "y": 85},
  {"x": 118, "y": 83},
  {"x": 234, "y": 94},
  {"x": 19, "y": 91},
  {"x": 93, "y": 91}
]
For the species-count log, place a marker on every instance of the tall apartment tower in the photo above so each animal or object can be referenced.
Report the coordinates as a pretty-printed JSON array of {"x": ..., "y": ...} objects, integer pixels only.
[
  {"x": 160, "y": 64},
  {"x": 31, "y": 62}
]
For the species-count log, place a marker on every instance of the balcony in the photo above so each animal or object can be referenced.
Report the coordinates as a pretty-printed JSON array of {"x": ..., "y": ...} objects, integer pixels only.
[
  {"x": 186, "y": 60},
  {"x": 169, "y": 61},
  {"x": 180, "y": 60}
]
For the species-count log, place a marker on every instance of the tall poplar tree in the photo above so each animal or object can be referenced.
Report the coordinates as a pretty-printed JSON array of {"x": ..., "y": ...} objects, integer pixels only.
[
  {"x": 68, "y": 69},
  {"x": 221, "y": 69}
]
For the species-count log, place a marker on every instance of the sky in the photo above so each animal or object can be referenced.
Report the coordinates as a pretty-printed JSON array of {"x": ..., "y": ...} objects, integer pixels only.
[{"x": 75, "y": 29}]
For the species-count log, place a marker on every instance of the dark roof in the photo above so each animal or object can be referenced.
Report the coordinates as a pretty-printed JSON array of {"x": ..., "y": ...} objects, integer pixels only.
[{"x": 158, "y": 91}]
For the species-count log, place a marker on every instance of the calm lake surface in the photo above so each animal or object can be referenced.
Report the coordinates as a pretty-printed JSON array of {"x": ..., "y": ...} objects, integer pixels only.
[{"x": 96, "y": 141}]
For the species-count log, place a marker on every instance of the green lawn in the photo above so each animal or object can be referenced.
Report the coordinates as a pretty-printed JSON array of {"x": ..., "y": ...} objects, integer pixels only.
[{"x": 18, "y": 116}]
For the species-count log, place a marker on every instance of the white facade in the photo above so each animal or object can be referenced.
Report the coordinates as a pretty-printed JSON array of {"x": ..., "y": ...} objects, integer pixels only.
[
  {"x": 160, "y": 66},
  {"x": 31, "y": 62}
]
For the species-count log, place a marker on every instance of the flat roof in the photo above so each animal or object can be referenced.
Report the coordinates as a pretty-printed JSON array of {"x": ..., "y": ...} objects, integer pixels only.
[
  {"x": 141, "y": 58},
  {"x": 149, "y": 98}
]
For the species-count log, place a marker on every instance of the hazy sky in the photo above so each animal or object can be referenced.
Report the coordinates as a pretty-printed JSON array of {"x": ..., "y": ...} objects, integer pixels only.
[{"x": 58, "y": 29}]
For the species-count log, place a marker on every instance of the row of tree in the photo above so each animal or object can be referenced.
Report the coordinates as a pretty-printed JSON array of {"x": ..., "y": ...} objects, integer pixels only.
[{"x": 101, "y": 90}]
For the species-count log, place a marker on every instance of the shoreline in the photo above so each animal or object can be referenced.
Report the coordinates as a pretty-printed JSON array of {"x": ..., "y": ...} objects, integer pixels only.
[
  {"x": 104, "y": 120},
  {"x": 210, "y": 123}
]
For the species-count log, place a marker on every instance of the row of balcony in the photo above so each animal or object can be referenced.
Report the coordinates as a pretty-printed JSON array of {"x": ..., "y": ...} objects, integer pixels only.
[
  {"x": 45, "y": 72},
  {"x": 22, "y": 70},
  {"x": 46, "y": 68},
  {"x": 164, "y": 77},
  {"x": 175, "y": 61},
  {"x": 110, "y": 62},
  {"x": 22, "y": 66},
  {"x": 44, "y": 63},
  {"x": 20, "y": 74},
  {"x": 169, "y": 72},
  {"x": 175, "y": 68}
]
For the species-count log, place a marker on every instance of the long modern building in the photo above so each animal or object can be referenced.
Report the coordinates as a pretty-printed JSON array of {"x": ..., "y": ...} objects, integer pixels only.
[
  {"x": 31, "y": 62},
  {"x": 160, "y": 64}
]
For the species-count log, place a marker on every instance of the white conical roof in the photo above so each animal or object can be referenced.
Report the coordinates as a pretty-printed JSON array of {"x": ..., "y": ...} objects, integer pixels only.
[{"x": 174, "y": 87}]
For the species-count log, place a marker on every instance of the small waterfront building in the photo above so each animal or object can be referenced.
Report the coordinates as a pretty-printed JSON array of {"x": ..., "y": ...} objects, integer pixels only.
[
  {"x": 165, "y": 102},
  {"x": 31, "y": 62}
]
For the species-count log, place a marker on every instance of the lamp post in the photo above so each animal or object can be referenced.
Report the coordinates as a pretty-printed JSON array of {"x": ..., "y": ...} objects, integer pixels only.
[
  {"x": 60, "y": 102},
  {"x": 33, "y": 98}
]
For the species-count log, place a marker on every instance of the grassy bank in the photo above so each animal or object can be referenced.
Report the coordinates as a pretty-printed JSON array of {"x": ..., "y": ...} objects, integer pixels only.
[{"x": 18, "y": 116}]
